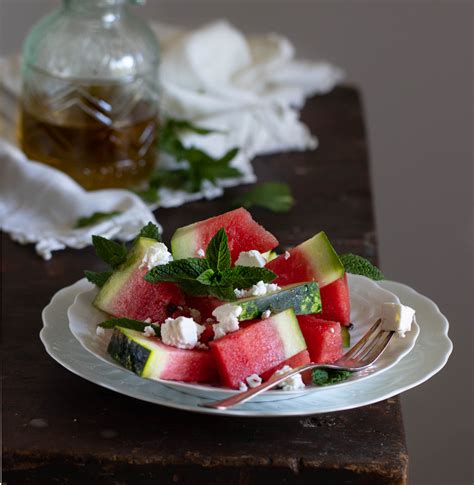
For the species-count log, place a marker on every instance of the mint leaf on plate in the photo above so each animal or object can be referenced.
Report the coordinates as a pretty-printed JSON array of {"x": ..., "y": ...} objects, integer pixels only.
[
  {"x": 111, "y": 252},
  {"x": 137, "y": 325},
  {"x": 218, "y": 252},
  {"x": 325, "y": 377},
  {"x": 95, "y": 218},
  {"x": 358, "y": 265},
  {"x": 178, "y": 271},
  {"x": 98, "y": 279},
  {"x": 274, "y": 196}
]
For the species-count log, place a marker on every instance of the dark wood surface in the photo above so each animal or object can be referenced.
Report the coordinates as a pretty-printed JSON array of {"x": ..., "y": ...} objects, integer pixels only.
[{"x": 59, "y": 428}]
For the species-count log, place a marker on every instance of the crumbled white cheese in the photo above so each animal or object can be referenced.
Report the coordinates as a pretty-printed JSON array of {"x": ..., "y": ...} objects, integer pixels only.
[
  {"x": 99, "y": 331},
  {"x": 253, "y": 380},
  {"x": 243, "y": 386},
  {"x": 266, "y": 314},
  {"x": 287, "y": 254},
  {"x": 259, "y": 289},
  {"x": 149, "y": 331},
  {"x": 292, "y": 383},
  {"x": 201, "y": 346},
  {"x": 251, "y": 258},
  {"x": 397, "y": 317},
  {"x": 195, "y": 314},
  {"x": 201, "y": 253},
  {"x": 227, "y": 317},
  {"x": 181, "y": 332},
  {"x": 155, "y": 255},
  {"x": 148, "y": 320}
]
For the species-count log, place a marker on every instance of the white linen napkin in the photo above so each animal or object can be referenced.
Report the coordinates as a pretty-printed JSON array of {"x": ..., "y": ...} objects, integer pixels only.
[{"x": 250, "y": 88}]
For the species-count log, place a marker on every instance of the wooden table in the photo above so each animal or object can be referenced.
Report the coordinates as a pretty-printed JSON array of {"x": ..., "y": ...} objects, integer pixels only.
[{"x": 59, "y": 428}]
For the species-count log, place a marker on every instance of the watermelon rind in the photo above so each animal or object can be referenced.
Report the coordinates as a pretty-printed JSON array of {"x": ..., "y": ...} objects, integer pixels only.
[
  {"x": 323, "y": 258},
  {"x": 303, "y": 298},
  {"x": 289, "y": 331},
  {"x": 120, "y": 276},
  {"x": 183, "y": 242}
]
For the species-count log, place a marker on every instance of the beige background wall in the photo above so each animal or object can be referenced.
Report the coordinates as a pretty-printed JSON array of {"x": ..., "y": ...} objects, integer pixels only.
[{"x": 413, "y": 63}]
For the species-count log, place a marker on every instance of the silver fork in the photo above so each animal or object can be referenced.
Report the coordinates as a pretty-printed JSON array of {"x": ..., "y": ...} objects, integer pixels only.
[{"x": 364, "y": 353}]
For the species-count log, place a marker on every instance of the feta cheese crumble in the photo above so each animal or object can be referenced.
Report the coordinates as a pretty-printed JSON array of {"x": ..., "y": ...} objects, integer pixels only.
[
  {"x": 292, "y": 383},
  {"x": 149, "y": 331},
  {"x": 201, "y": 253},
  {"x": 227, "y": 317},
  {"x": 181, "y": 332},
  {"x": 155, "y": 255},
  {"x": 259, "y": 289},
  {"x": 100, "y": 331},
  {"x": 243, "y": 386},
  {"x": 251, "y": 258},
  {"x": 266, "y": 314},
  {"x": 287, "y": 254},
  {"x": 253, "y": 380},
  {"x": 397, "y": 317}
]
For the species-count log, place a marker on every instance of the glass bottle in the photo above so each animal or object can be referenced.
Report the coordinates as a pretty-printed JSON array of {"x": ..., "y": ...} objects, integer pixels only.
[{"x": 90, "y": 93}]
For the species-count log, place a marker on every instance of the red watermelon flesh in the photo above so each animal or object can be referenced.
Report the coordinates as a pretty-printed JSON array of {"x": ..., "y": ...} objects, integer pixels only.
[
  {"x": 336, "y": 301},
  {"x": 323, "y": 338},
  {"x": 204, "y": 304},
  {"x": 242, "y": 231},
  {"x": 257, "y": 348},
  {"x": 301, "y": 358},
  {"x": 136, "y": 298}
]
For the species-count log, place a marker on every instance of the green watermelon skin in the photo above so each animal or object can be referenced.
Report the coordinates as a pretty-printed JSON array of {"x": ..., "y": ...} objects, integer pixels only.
[
  {"x": 257, "y": 348},
  {"x": 242, "y": 231},
  {"x": 323, "y": 338},
  {"x": 151, "y": 359},
  {"x": 127, "y": 294},
  {"x": 312, "y": 260}
]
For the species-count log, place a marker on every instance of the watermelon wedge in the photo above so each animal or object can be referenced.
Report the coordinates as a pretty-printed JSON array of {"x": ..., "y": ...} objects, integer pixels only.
[
  {"x": 127, "y": 294},
  {"x": 312, "y": 260},
  {"x": 242, "y": 231},
  {"x": 336, "y": 301},
  {"x": 322, "y": 337},
  {"x": 150, "y": 358},
  {"x": 257, "y": 348}
]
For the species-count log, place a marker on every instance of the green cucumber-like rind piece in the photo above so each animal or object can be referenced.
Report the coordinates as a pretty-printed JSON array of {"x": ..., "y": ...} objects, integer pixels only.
[
  {"x": 289, "y": 331},
  {"x": 120, "y": 276},
  {"x": 303, "y": 298},
  {"x": 323, "y": 259},
  {"x": 183, "y": 242},
  {"x": 346, "y": 337}
]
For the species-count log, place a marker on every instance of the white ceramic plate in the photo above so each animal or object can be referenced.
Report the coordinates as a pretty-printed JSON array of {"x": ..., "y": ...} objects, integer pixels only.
[
  {"x": 428, "y": 357},
  {"x": 366, "y": 300}
]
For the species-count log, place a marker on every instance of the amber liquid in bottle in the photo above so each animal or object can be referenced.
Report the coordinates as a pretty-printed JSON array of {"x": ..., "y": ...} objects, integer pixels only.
[{"x": 88, "y": 134}]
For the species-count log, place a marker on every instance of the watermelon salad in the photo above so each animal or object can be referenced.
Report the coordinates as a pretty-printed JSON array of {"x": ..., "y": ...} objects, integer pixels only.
[{"x": 220, "y": 306}]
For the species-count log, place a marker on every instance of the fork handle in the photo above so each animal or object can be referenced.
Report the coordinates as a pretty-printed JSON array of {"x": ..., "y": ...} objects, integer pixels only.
[{"x": 255, "y": 391}]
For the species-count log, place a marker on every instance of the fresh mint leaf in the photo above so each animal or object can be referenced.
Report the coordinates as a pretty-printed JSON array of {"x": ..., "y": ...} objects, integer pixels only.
[
  {"x": 95, "y": 218},
  {"x": 222, "y": 292},
  {"x": 246, "y": 276},
  {"x": 206, "y": 278},
  {"x": 98, "y": 279},
  {"x": 325, "y": 377},
  {"x": 358, "y": 265},
  {"x": 151, "y": 231},
  {"x": 137, "y": 325},
  {"x": 176, "y": 124},
  {"x": 111, "y": 252},
  {"x": 274, "y": 196},
  {"x": 218, "y": 252},
  {"x": 181, "y": 270}
]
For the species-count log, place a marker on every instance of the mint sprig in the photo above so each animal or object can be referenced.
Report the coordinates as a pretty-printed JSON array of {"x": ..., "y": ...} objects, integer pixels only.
[
  {"x": 358, "y": 265},
  {"x": 151, "y": 231},
  {"x": 325, "y": 377},
  {"x": 212, "y": 275},
  {"x": 137, "y": 325},
  {"x": 97, "y": 278},
  {"x": 94, "y": 218},
  {"x": 274, "y": 196}
]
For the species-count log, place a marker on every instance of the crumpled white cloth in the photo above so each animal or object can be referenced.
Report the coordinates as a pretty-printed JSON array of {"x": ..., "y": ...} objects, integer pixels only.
[{"x": 249, "y": 88}]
